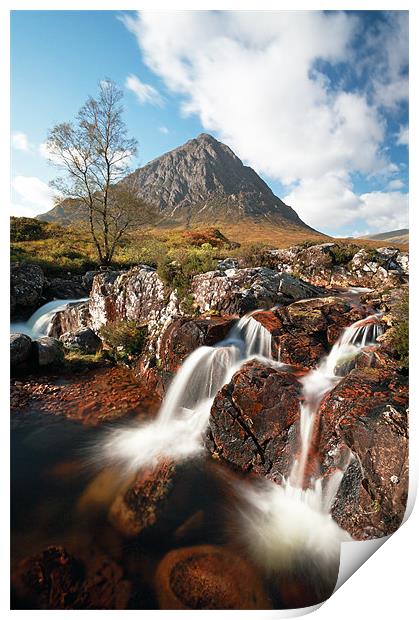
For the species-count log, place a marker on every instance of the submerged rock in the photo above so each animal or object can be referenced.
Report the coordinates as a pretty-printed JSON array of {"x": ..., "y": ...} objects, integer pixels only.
[
  {"x": 253, "y": 419},
  {"x": 55, "y": 579},
  {"x": 208, "y": 577}
]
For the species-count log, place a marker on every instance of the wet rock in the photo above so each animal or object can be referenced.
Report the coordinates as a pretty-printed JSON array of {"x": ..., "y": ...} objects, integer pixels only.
[
  {"x": 49, "y": 351},
  {"x": 61, "y": 288},
  {"x": 253, "y": 419},
  {"x": 367, "y": 414},
  {"x": 26, "y": 284},
  {"x": 20, "y": 349},
  {"x": 74, "y": 317},
  {"x": 83, "y": 339},
  {"x": 208, "y": 577},
  {"x": 184, "y": 335},
  {"x": 55, "y": 579},
  {"x": 138, "y": 506}
]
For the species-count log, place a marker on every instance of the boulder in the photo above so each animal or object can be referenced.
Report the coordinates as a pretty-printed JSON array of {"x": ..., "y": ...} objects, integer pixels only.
[
  {"x": 26, "y": 285},
  {"x": 61, "y": 288},
  {"x": 49, "y": 351},
  {"x": 138, "y": 294},
  {"x": 238, "y": 291},
  {"x": 83, "y": 339},
  {"x": 20, "y": 349},
  {"x": 208, "y": 577},
  {"x": 87, "y": 279},
  {"x": 366, "y": 414},
  {"x": 74, "y": 317},
  {"x": 253, "y": 420},
  {"x": 184, "y": 335}
]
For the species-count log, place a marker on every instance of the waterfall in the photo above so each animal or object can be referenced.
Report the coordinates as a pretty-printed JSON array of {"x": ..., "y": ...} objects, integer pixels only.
[
  {"x": 284, "y": 525},
  {"x": 183, "y": 416},
  {"x": 38, "y": 324}
]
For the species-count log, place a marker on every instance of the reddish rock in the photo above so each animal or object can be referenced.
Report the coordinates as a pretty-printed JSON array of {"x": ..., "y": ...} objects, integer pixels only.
[
  {"x": 54, "y": 579},
  {"x": 300, "y": 350},
  {"x": 366, "y": 414},
  {"x": 208, "y": 577},
  {"x": 253, "y": 419},
  {"x": 75, "y": 316},
  {"x": 184, "y": 335}
]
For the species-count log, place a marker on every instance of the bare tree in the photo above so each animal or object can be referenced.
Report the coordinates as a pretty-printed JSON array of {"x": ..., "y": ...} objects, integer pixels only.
[{"x": 94, "y": 153}]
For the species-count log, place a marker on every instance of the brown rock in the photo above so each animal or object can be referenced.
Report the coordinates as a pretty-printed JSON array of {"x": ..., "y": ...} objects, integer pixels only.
[
  {"x": 208, "y": 577},
  {"x": 253, "y": 420}
]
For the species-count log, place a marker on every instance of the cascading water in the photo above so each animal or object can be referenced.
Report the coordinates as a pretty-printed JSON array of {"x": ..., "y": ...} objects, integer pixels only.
[
  {"x": 183, "y": 416},
  {"x": 280, "y": 524},
  {"x": 38, "y": 324}
]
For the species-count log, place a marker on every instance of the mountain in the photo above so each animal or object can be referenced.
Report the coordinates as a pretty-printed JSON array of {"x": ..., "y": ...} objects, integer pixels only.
[
  {"x": 201, "y": 182},
  {"x": 393, "y": 236}
]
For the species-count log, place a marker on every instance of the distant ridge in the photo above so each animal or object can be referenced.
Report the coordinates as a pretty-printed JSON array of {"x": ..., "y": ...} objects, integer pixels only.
[{"x": 393, "y": 236}]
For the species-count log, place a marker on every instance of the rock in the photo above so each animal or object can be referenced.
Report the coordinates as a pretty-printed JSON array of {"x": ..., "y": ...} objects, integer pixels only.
[
  {"x": 54, "y": 579},
  {"x": 137, "y": 295},
  {"x": 252, "y": 425},
  {"x": 20, "y": 349},
  {"x": 227, "y": 263},
  {"x": 26, "y": 284},
  {"x": 184, "y": 335},
  {"x": 74, "y": 317},
  {"x": 366, "y": 413},
  {"x": 49, "y": 351},
  {"x": 136, "y": 508},
  {"x": 83, "y": 339},
  {"x": 60, "y": 288},
  {"x": 294, "y": 288},
  {"x": 87, "y": 279},
  {"x": 208, "y": 577}
]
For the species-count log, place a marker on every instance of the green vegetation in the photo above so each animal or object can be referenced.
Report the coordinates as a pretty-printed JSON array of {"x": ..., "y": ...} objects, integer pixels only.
[
  {"x": 400, "y": 330},
  {"x": 343, "y": 253},
  {"x": 125, "y": 339},
  {"x": 27, "y": 229}
]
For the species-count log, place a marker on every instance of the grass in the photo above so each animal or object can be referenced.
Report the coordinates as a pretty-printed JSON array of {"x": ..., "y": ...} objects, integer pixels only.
[{"x": 59, "y": 250}]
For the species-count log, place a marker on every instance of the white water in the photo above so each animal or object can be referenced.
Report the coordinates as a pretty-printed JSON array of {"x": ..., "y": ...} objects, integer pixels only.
[
  {"x": 281, "y": 524},
  {"x": 183, "y": 417},
  {"x": 39, "y": 323}
]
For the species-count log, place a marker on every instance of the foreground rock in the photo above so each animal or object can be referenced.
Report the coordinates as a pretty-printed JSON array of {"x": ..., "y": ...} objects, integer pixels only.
[
  {"x": 208, "y": 577},
  {"x": 367, "y": 414},
  {"x": 54, "y": 579},
  {"x": 253, "y": 422},
  {"x": 49, "y": 351},
  {"x": 26, "y": 285},
  {"x": 74, "y": 317},
  {"x": 62, "y": 288},
  {"x": 20, "y": 350}
]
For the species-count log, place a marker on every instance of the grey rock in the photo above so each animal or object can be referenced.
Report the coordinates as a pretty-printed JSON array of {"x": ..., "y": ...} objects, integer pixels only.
[
  {"x": 82, "y": 340},
  {"x": 49, "y": 351},
  {"x": 26, "y": 284},
  {"x": 20, "y": 349},
  {"x": 61, "y": 288}
]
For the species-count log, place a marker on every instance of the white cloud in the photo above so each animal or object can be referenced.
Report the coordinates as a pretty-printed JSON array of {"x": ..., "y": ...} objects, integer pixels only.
[
  {"x": 20, "y": 141},
  {"x": 403, "y": 136},
  {"x": 253, "y": 78},
  {"x": 34, "y": 191},
  {"x": 395, "y": 184},
  {"x": 145, "y": 93},
  {"x": 385, "y": 210},
  {"x": 163, "y": 129}
]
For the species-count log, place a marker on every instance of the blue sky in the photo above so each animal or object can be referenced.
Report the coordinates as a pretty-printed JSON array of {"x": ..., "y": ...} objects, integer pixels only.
[{"x": 315, "y": 102}]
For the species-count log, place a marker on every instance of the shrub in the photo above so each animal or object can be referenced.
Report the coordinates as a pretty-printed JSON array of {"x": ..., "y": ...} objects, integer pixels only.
[
  {"x": 342, "y": 254},
  {"x": 125, "y": 339},
  {"x": 400, "y": 331},
  {"x": 27, "y": 229},
  {"x": 180, "y": 265}
]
